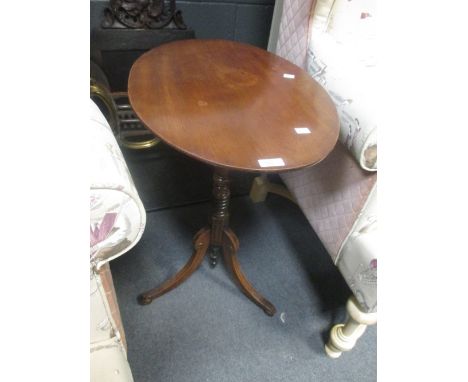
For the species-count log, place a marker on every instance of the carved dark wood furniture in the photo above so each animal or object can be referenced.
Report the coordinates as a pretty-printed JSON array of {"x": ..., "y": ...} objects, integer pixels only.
[
  {"x": 127, "y": 29},
  {"x": 151, "y": 14},
  {"x": 235, "y": 107}
]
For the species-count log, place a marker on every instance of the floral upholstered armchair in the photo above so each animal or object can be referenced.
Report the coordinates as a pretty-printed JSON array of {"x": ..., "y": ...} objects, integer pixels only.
[
  {"x": 117, "y": 221},
  {"x": 334, "y": 41}
]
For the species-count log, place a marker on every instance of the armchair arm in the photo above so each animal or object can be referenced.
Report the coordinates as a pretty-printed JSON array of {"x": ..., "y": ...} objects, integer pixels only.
[
  {"x": 117, "y": 215},
  {"x": 341, "y": 57}
]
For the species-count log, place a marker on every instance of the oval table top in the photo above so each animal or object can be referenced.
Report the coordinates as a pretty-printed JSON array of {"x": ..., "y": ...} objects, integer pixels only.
[{"x": 233, "y": 105}]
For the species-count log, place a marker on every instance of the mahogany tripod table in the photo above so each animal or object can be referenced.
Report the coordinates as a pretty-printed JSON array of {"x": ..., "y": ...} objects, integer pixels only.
[{"x": 235, "y": 107}]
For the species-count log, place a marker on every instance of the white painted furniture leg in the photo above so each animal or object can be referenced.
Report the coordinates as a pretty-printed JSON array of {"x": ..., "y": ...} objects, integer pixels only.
[
  {"x": 261, "y": 186},
  {"x": 343, "y": 337},
  {"x": 259, "y": 189}
]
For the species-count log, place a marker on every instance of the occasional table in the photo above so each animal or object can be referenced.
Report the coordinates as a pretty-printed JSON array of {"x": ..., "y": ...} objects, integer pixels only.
[{"x": 235, "y": 107}]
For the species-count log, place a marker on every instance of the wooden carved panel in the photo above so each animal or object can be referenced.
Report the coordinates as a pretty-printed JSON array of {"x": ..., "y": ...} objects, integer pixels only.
[{"x": 142, "y": 14}]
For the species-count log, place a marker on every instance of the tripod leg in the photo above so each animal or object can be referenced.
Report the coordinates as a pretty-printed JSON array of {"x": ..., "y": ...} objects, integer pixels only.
[
  {"x": 201, "y": 243},
  {"x": 231, "y": 246}
]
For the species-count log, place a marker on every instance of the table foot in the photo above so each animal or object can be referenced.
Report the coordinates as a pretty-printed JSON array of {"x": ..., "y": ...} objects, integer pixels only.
[
  {"x": 143, "y": 299},
  {"x": 231, "y": 246},
  {"x": 201, "y": 244}
]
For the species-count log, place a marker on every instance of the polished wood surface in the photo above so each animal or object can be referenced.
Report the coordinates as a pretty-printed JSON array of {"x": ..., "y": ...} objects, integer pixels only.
[{"x": 230, "y": 105}]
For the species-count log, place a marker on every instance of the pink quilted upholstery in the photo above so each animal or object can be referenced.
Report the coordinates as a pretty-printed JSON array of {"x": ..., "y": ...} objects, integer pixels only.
[
  {"x": 331, "y": 194},
  {"x": 293, "y": 31}
]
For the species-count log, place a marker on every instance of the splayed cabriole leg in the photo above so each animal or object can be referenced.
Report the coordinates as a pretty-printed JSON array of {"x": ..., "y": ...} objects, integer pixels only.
[
  {"x": 214, "y": 241},
  {"x": 231, "y": 246},
  {"x": 201, "y": 242}
]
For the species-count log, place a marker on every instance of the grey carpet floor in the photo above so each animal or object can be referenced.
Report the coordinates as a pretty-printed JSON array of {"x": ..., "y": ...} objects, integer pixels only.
[{"x": 207, "y": 330}]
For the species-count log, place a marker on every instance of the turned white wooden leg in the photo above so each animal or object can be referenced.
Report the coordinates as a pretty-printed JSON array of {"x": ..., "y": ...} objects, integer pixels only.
[
  {"x": 261, "y": 186},
  {"x": 259, "y": 189},
  {"x": 343, "y": 337}
]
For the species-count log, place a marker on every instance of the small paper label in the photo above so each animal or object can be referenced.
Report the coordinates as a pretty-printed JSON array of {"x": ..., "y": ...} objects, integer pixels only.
[
  {"x": 287, "y": 75},
  {"x": 302, "y": 130},
  {"x": 273, "y": 162}
]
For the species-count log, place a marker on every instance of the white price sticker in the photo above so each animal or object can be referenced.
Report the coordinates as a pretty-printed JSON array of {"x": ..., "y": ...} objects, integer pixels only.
[
  {"x": 273, "y": 162},
  {"x": 302, "y": 130}
]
